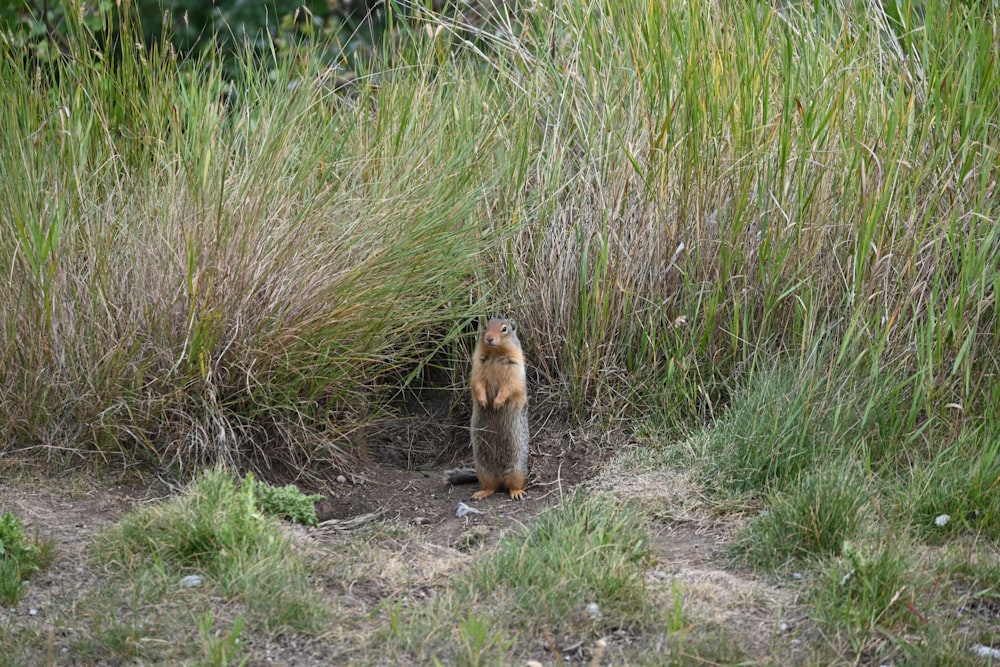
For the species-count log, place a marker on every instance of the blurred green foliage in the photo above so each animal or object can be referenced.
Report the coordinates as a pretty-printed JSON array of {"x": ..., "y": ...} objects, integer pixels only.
[{"x": 344, "y": 29}]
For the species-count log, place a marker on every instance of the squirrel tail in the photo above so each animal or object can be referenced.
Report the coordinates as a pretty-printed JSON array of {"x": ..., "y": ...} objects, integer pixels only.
[{"x": 461, "y": 476}]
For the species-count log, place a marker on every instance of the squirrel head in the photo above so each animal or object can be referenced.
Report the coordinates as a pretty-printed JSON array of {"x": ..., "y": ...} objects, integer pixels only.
[{"x": 499, "y": 330}]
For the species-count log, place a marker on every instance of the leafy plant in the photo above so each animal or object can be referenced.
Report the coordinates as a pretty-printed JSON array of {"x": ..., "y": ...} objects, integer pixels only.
[
  {"x": 20, "y": 557},
  {"x": 286, "y": 501}
]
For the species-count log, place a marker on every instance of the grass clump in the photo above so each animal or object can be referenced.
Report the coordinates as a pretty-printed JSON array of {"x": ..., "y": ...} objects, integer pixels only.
[
  {"x": 223, "y": 648},
  {"x": 215, "y": 529},
  {"x": 591, "y": 550},
  {"x": 873, "y": 589},
  {"x": 574, "y": 571},
  {"x": 811, "y": 520},
  {"x": 790, "y": 417},
  {"x": 20, "y": 557},
  {"x": 957, "y": 491}
]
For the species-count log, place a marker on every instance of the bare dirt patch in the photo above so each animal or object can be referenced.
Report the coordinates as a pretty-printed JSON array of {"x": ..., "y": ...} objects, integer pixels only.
[
  {"x": 419, "y": 496},
  {"x": 69, "y": 511},
  {"x": 689, "y": 541}
]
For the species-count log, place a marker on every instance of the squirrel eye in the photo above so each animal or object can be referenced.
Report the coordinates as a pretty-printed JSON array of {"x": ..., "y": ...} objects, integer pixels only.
[{"x": 503, "y": 329}]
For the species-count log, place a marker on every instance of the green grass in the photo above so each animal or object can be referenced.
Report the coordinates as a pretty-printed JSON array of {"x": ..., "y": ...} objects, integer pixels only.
[
  {"x": 874, "y": 591},
  {"x": 813, "y": 519},
  {"x": 216, "y": 530},
  {"x": 668, "y": 198},
  {"x": 957, "y": 491},
  {"x": 539, "y": 581},
  {"x": 20, "y": 558},
  {"x": 591, "y": 550}
]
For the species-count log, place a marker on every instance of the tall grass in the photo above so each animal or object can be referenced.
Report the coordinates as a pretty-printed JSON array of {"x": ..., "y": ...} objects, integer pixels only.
[
  {"x": 188, "y": 281},
  {"x": 664, "y": 194}
]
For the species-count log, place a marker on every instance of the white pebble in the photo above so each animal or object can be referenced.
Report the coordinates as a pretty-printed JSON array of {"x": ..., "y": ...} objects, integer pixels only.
[
  {"x": 341, "y": 479},
  {"x": 191, "y": 581},
  {"x": 942, "y": 520},
  {"x": 784, "y": 627},
  {"x": 463, "y": 510},
  {"x": 593, "y": 610},
  {"x": 32, "y": 612},
  {"x": 986, "y": 651}
]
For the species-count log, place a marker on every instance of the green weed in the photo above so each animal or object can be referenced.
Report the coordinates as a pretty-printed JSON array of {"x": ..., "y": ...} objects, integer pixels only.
[
  {"x": 20, "y": 557},
  {"x": 286, "y": 502}
]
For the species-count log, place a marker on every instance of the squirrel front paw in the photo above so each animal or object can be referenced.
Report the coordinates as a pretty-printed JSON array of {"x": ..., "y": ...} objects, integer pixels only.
[{"x": 479, "y": 396}]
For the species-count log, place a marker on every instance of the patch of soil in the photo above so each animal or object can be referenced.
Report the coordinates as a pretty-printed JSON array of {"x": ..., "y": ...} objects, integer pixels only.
[
  {"x": 69, "y": 512},
  {"x": 418, "y": 495}
]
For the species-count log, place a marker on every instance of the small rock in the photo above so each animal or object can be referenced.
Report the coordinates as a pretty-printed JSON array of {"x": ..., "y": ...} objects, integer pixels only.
[
  {"x": 32, "y": 612},
  {"x": 986, "y": 651},
  {"x": 464, "y": 510},
  {"x": 341, "y": 479},
  {"x": 797, "y": 575},
  {"x": 421, "y": 520},
  {"x": 191, "y": 581},
  {"x": 593, "y": 610},
  {"x": 942, "y": 520},
  {"x": 784, "y": 627},
  {"x": 796, "y": 641}
]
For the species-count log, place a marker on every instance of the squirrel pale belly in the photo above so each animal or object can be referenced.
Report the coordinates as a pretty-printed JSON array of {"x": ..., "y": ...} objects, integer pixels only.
[{"x": 500, "y": 439}]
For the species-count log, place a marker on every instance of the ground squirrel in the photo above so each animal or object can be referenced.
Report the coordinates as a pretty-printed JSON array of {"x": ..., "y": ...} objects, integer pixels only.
[{"x": 499, "y": 414}]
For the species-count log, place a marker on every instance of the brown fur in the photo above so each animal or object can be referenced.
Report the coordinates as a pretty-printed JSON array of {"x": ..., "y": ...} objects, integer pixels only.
[{"x": 500, "y": 438}]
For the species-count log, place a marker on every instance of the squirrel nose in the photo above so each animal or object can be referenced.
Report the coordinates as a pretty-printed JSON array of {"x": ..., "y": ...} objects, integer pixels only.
[{"x": 489, "y": 340}]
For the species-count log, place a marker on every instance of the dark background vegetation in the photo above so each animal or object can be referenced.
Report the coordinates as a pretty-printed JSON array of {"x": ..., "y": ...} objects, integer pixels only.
[{"x": 343, "y": 29}]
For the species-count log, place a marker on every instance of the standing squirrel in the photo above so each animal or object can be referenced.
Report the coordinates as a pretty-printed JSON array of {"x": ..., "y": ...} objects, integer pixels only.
[{"x": 499, "y": 414}]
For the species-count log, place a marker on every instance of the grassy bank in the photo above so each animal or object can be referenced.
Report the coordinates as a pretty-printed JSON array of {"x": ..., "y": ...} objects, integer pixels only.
[{"x": 767, "y": 235}]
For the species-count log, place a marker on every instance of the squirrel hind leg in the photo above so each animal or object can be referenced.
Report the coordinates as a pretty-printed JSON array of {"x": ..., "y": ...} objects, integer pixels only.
[
  {"x": 490, "y": 484},
  {"x": 515, "y": 484}
]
